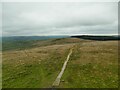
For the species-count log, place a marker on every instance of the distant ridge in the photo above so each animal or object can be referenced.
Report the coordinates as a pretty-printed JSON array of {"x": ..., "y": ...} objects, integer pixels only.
[
  {"x": 22, "y": 38},
  {"x": 100, "y": 38}
]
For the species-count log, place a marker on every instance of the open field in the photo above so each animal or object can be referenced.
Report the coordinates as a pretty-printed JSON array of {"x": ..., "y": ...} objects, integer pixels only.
[{"x": 93, "y": 64}]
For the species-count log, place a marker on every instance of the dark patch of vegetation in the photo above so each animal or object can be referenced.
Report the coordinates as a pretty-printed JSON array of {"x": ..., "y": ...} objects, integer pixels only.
[{"x": 100, "y": 38}]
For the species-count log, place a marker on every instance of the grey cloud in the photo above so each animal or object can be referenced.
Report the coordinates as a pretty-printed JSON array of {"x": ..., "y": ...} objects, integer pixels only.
[{"x": 59, "y": 18}]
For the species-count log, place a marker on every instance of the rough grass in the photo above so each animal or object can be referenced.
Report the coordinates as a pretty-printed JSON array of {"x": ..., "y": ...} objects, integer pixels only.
[
  {"x": 93, "y": 64},
  {"x": 33, "y": 68}
]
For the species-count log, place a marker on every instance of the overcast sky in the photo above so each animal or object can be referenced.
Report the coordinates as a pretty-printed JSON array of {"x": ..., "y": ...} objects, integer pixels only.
[{"x": 21, "y": 19}]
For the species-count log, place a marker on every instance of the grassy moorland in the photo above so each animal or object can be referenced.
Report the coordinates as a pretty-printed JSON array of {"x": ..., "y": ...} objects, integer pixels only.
[{"x": 93, "y": 64}]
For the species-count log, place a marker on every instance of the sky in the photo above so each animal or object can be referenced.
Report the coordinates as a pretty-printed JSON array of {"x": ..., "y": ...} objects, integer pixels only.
[{"x": 59, "y": 18}]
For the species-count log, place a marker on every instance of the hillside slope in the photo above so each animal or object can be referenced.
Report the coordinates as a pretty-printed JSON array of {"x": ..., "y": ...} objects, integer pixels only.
[{"x": 93, "y": 64}]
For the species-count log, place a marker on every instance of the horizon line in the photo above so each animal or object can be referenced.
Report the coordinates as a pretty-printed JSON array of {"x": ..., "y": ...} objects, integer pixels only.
[{"x": 62, "y": 35}]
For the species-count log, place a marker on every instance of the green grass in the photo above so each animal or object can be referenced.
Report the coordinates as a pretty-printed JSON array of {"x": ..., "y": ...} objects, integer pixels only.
[
  {"x": 93, "y": 64},
  {"x": 33, "y": 74},
  {"x": 90, "y": 76},
  {"x": 90, "y": 68}
]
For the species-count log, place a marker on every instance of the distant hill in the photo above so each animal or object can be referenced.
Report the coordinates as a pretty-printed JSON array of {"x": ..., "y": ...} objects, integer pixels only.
[
  {"x": 24, "y": 42},
  {"x": 100, "y": 38},
  {"x": 21, "y": 38}
]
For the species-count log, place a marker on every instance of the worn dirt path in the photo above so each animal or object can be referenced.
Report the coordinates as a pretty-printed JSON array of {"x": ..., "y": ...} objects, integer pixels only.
[{"x": 57, "y": 81}]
